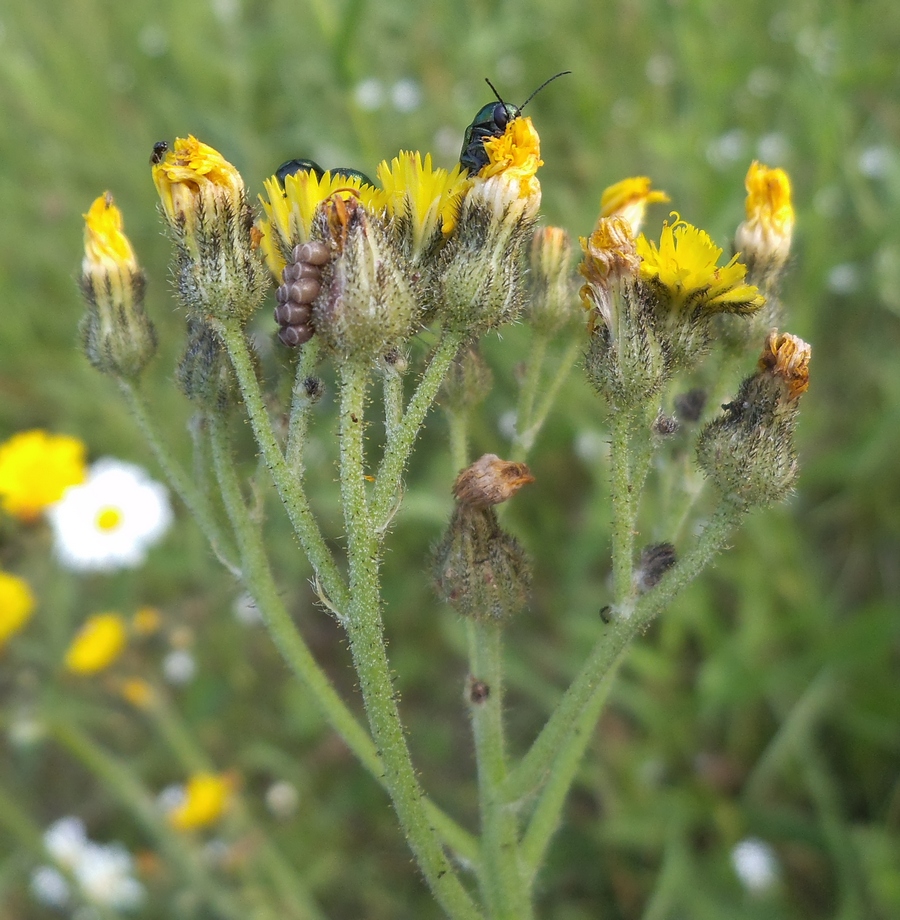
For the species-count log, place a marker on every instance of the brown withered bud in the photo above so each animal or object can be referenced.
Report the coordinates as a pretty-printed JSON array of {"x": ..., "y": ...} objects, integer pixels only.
[
  {"x": 655, "y": 561},
  {"x": 490, "y": 481}
]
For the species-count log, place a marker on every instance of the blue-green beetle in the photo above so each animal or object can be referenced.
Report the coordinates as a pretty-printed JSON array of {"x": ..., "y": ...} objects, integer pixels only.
[
  {"x": 295, "y": 166},
  {"x": 491, "y": 121}
]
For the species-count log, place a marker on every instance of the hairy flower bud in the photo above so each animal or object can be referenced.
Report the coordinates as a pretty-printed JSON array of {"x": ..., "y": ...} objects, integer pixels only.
[
  {"x": 468, "y": 381},
  {"x": 764, "y": 238},
  {"x": 367, "y": 306},
  {"x": 204, "y": 373},
  {"x": 117, "y": 335},
  {"x": 480, "y": 570},
  {"x": 748, "y": 451},
  {"x": 625, "y": 360},
  {"x": 218, "y": 267},
  {"x": 553, "y": 301},
  {"x": 481, "y": 270}
]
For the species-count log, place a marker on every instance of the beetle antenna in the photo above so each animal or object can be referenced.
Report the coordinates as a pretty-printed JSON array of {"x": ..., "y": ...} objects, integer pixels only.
[
  {"x": 499, "y": 98},
  {"x": 562, "y": 73}
]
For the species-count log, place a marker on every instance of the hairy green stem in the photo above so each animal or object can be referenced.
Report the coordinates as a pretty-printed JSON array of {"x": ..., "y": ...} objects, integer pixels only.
[
  {"x": 289, "y": 487},
  {"x": 196, "y": 502},
  {"x": 301, "y": 404},
  {"x": 559, "y": 730},
  {"x": 366, "y": 633},
  {"x": 505, "y": 894},
  {"x": 458, "y": 423},
  {"x": 262, "y": 587},
  {"x": 396, "y": 455},
  {"x": 623, "y": 503},
  {"x": 524, "y": 438}
]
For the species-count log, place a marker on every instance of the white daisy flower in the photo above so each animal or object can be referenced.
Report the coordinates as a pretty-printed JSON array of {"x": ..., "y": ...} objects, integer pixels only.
[
  {"x": 111, "y": 520},
  {"x": 65, "y": 840},
  {"x": 755, "y": 864},
  {"x": 49, "y": 886},
  {"x": 104, "y": 875}
]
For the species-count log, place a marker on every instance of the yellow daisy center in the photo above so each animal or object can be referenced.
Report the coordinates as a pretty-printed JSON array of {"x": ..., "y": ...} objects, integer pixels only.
[{"x": 109, "y": 518}]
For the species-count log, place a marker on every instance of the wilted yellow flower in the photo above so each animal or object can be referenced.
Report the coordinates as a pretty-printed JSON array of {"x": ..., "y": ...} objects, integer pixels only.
[
  {"x": 416, "y": 192},
  {"x": 97, "y": 644},
  {"x": 290, "y": 210},
  {"x": 686, "y": 264},
  {"x": 206, "y": 797},
  {"x": 16, "y": 605},
  {"x": 36, "y": 468},
  {"x": 191, "y": 177},
  {"x": 764, "y": 238},
  {"x": 629, "y": 199},
  {"x": 787, "y": 356}
]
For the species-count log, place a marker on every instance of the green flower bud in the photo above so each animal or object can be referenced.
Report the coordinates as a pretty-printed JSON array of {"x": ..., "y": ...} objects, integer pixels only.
[
  {"x": 553, "y": 298},
  {"x": 204, "y": 374},
  {"x": 468, "y": 381}
]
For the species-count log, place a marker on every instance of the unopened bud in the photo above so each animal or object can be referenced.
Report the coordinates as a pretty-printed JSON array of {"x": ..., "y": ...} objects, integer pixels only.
[
  {"x": 490, "y": 481},
  {"x": 764, "y": 238},
  {"x": 117, "y": 335},
  {"x": 468, "y": 381},
  {"x": 553, "y": 300},
  {"x": 204, "y": 373},
  {"x": 689, "y": 406},
  {"x": 748, "y": 451}
]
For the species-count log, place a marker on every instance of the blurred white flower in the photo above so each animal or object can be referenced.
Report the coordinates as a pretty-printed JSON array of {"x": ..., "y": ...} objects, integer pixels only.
[
  {"x": 110, "y": 520},
  {"x": 844, "y": 278},
  {"x": 369, "y": 94},
  {"x": 282, "y": 799},
  {"x": 171, "y": 797},
  {"x": 406, "y": 95},
  {"x": 104, "y": 875},
  {"x": 49, "y": 886},
  {"x": 65, "y": 841},
  {"x": 103, "y": 872},
  {"x": 755, "y": 864},
  {"x": 179, "y": 667}
]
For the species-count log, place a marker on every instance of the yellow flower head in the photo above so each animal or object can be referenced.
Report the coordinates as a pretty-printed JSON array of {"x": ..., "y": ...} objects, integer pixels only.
[
  {"x": 416, "y": 192},
  {"x": 515, "y": 156},
  {"x": 106, "y": 248},
  {"x": 765, "y": 236},
  {"x": 97, "y": 645},
  {"x": 685, "y": 263},
  {"x": 629, "y": 199},
  {"x": 206, "y": 797},
  {"x": 35, "y": 469},
  {"x": 16, "y": 605},
  {"x": 787, "y": 357},
  {"x": 610, "y": 253},
  {"x": 146, "y": 621},
  {"x": 192, "y": 178},
  {"x": 290, "y": 211}
]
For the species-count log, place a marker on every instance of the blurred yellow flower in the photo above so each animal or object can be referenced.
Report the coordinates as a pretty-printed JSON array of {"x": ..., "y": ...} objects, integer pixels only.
[
  {"x": 146, "y": 621},
  {"x": 97, "y": 644},
  {"x": 685, "y": 263},
  {"x": 629, "y": 199},
  {"x": 206, "y": 797},
  {"x": 16, "y": 605},
  {"x": 138, "y": 692},
  {"x": 35, "y": 469}
]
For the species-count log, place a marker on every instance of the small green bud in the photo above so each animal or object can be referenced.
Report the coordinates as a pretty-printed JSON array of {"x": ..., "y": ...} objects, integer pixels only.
[
  {"x": 117, "y": 335},
  {"x": 468, "y": 381},
  {"x": 748, "y": 451},
  {"x": 204, "y": 373},
  {"x": 553, "y": 300}
]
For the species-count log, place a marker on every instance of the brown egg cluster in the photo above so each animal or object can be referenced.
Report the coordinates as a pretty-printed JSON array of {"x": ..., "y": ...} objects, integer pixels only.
[{"x": 302, "y": 282}]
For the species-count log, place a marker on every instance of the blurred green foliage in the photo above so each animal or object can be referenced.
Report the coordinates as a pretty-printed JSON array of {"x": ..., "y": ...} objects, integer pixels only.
[{"x": 766, "y": 704}]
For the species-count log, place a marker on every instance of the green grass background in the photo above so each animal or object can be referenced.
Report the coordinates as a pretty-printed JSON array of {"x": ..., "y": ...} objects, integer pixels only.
[{"x": 767, "y": 703}]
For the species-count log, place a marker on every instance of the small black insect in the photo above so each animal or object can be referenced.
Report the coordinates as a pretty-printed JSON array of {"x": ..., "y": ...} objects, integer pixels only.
[
  {"x": 159, "y": 151},
  {"x": 491, "y": 121}
]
